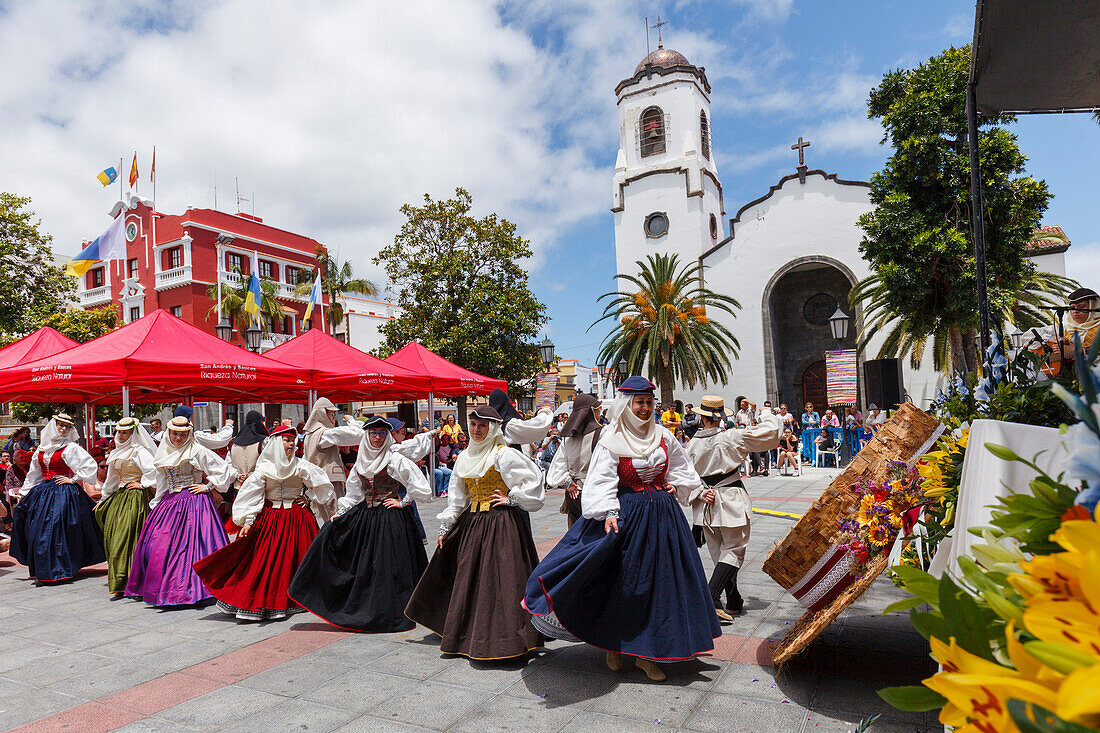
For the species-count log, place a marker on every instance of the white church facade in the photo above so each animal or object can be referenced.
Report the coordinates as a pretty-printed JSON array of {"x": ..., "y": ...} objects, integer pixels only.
[{"x": 789, "y": 258}]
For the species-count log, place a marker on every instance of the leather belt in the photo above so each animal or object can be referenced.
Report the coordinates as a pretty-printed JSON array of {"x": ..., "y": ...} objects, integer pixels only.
[{"x": 717, "y": 478}]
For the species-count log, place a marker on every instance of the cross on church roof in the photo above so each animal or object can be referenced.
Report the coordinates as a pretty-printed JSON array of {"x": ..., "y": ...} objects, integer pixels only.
[
  {"x": 800, "y": 146},
  {"x": 658, "y": 25}
]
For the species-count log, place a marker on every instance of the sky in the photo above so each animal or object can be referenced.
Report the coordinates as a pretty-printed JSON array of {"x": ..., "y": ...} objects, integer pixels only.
[{"x": 332, "y": 114}]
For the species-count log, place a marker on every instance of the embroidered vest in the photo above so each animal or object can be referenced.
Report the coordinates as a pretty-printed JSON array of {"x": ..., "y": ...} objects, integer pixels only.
[
  {"x": 182, "y": 476},
  {"x": 127, "y": 472},
  {"x": 480, "y": 490},
  {"x": 380, "y": 488},
  {"x": 55, "y": 467},
  {"x": 282, "y": 494},
  {"x": 629, "y": 480}
]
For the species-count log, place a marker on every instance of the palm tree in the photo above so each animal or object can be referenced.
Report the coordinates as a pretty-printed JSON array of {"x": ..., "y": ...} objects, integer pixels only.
[
  {"x": 336, "y": 279},
  {"x": 952, "y": 342},
  {"x": 233, "y": 299},
  {"x": 664, "y": 327}
]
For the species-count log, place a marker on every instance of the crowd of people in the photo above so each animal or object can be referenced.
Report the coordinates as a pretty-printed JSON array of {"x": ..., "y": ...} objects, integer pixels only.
[{"x": 270, "y": 519}]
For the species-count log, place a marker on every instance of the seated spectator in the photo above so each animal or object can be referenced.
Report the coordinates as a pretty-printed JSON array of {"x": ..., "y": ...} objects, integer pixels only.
[
  {"x": 829, "y": 420},
  {"x": 451, "y": 429},
  {"x": 876, "y": 419},
  {"x": 444, "y": 462},
  {"x": 19, "y": 440},
  {"x": 788, "y": 450},
  {"x": 787, "y": 418},
  {"x": 681, "y": 436},
  {"x": 854, "y": 418},
  {"x": 16, "y": 474},
  {"x": 5, "y": 460},
  {"x": 810, "y": 419},
  {"x": 825, "y": 441}
]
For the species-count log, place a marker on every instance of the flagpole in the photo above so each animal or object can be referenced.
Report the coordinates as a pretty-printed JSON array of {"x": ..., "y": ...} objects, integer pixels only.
[{"x": 120, "y": 195}]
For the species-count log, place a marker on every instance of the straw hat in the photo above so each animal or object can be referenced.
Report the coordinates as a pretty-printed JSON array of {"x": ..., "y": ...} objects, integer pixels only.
[
  {"x": 712, "y": 406},
  {"x": 63, "y": 417},
  {"x": 179, "y": 425}
]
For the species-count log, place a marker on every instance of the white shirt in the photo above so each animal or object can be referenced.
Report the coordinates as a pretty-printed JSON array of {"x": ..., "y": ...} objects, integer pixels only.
[
  {"x": 144, "y": 460},
  {"x": 253, "y": 492},
  {"x": 400, "y": 469},
  {"x": 215, "y": 441},
  {"x": 520, "y": 474},
  {"x": 76, "y": 458},
  {"x": 219, "y": 473}
]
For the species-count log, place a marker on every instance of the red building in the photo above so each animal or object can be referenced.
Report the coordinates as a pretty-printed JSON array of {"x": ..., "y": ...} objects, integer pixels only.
[{"x": 172, "y": 262}]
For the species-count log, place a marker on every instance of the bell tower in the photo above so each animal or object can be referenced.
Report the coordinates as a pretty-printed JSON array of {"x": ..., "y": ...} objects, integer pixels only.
[{"x": 667, "y": 197}]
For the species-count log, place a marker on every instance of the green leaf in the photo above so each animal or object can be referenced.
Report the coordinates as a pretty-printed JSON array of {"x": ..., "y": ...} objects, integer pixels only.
[
  {"x": 1045, "y": 721},
  {"x": 1003, "y": 607},
  {"x": 969, "y": 622},
  {"x": 975, "y": 575},
  {"x": 903, "y": 605},
  {"x": 913, "y": 698},
  {"x": 930, "y": 625},
  {"x": 920, "y": 584},
  {"x": 1060, "y": 657}
]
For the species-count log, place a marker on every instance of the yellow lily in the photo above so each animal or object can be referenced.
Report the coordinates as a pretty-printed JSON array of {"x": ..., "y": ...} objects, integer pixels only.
[
  {"x": 1072, "y": 623},
  {"x": 1057, "y": 576},
  {"x": 1079, "y": 697}
]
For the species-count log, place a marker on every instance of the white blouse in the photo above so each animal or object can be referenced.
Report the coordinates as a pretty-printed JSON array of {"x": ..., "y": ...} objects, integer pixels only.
[
  {"x": 219, "y": 473},
  {"x": 520, "y": 474},
  {"x": 400, "y": 469},
  {"x": 76, "y": 458},
  {"x": 601, "y": 486},
  {"x": 215, "y": 441},
  {"x": 144, "y": 460},
  {"x": 522, "y": 432},
  {"x": 257, "y": 488},
  {"x": 352, "y": 433}
]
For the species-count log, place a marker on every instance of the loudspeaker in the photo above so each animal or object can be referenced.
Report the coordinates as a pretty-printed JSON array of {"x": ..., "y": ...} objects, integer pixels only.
[
  {"x": 882, "y": 378},
  {"x": 406, "y": 413}
]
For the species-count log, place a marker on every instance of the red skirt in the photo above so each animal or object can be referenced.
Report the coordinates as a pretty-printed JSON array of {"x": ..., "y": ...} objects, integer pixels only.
[{"x": 250, "y": 577}]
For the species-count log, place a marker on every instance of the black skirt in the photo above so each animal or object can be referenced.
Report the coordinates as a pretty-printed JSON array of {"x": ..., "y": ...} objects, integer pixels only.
[
  {"x": 361, "y": 570},
  {"x": 471, "y": 592}
]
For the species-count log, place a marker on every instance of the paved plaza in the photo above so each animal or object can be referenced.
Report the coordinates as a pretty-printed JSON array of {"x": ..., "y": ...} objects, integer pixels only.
[{"x": 73, "y": 660}]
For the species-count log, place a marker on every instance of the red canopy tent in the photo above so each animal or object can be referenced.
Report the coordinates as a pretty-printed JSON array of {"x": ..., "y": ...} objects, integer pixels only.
[
  {"x": 38, "y": 345},
  {"x": 446, "y": 378},
  {"x": 158, "y": 358},
  {"x": 343, "y": 373}
]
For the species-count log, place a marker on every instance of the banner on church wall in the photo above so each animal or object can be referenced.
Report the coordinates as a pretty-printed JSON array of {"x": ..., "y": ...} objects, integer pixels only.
[
  {"x": 546, "y": 391},
  {"x": 840, "y": 376}
]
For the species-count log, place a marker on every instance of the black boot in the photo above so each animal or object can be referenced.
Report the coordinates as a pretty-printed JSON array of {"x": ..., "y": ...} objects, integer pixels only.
[
  {"x": 719, "y": 579},
  {"x": 734, "y": 602}
]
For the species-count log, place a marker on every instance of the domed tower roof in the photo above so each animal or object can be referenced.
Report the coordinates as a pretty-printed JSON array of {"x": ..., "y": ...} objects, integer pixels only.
[{"x": 663, "y": 57}]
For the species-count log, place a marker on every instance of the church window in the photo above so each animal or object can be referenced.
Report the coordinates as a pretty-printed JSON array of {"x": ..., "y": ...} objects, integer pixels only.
[
  {"x": 713, "y": 226},
  {"x": 651, "y": 131},
  {"x": 818, "y": 309},
  {"x": 704, "y": 134},
  {"x": 656, "y": 225}
]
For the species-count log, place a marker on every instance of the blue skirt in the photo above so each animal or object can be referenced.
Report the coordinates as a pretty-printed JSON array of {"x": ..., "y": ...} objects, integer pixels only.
[
  {"x": 54, "y": 533},
  {"x": 641, "y": 591}
]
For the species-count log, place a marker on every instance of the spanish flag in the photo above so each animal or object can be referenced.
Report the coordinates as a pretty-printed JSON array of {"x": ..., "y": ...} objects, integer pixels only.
[
  {"x": 134, "y": 171},
  {"x": 108, "y": 176},
  {"x": 314, "y": 295},
  {"x": 111, "y": 245},
  {"x": 254, "y": 297}
]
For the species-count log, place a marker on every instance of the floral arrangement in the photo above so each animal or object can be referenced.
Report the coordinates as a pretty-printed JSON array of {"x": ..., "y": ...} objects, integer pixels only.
[
  {"x": 1017, "y": 631},
  {"x": 881, "y": 515},
  {"x": 941, "y": 471}
]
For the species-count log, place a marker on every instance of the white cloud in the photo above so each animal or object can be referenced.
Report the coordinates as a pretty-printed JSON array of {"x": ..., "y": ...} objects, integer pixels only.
[
  {"x": 1083, "y": 263},
  {"x": 849, "y": 134}
]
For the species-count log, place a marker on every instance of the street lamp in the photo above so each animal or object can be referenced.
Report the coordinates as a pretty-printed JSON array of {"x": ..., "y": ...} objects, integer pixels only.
[
  {"x": 622, "y": 370},
  {"x": 546, "y": 351},
  {"x": 224, "y": 329},
  {"x": 252, "y": 338},
  {"x": 838, "y": 323}
]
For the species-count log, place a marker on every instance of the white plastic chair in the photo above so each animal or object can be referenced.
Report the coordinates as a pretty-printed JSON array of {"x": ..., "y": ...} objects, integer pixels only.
[{"x": 835, "y": 453}]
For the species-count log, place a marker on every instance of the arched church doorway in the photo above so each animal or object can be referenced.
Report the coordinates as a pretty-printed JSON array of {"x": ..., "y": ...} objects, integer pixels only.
[
  {"x": 798, "y": 302},
  {"x": 813, "y": 386}
]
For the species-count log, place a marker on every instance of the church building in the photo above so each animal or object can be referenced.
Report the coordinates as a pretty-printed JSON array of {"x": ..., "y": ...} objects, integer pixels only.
[{"x": 789, "y": 257}]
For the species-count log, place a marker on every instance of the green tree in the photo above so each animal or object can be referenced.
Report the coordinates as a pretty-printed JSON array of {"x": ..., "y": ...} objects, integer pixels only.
[
  {"x": 918, "y": 240},
  {"x": 337, "y": 279},
  {"x": 663, "y": 326},
  {"x": 462, "y": 292},
  {"x": 32, "y": 286},
  {"x": 233, "y": 300}
]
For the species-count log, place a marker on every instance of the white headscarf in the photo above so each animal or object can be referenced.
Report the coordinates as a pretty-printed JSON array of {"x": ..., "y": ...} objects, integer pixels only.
[
  {"x": 372, "y": 461},
  {"x": 54, "y": 439},
  {"x": 1071, "y": 326},
  {"x": 318, "y": 417},
  {"x": 628, "y": 436},
  {"x": 126, "y": 451},
  {"x": 274, "y": 463},
  {"x": 478, "y": 458},
  {"x": 170, "y": 456}
]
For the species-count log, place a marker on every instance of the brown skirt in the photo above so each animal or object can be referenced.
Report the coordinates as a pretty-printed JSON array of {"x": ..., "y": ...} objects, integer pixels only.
[
  {"x": 571, "y": 508},
  {"x": 471, "y": 592}
]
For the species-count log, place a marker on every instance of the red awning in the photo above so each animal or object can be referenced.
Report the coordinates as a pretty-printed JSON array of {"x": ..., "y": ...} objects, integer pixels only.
[
  {"x": 38, "y": 345},
  {"x": 161, "y": 358},
  {"x": 446, "y": 378},
  {"x": 343, "y": 373}
]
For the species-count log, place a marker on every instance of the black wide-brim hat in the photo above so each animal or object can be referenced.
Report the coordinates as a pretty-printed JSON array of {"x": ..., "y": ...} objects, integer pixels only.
[
  {"x": 380, "y": 423},
  {"x": 484, "y": 412},
  {"x": 1081, "y": 294}
]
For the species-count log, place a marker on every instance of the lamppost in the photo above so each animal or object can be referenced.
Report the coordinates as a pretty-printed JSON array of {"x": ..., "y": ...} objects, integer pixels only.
[
  {"x": 838, "y": 323},
  {"x": 252, "y": 337},
  {"x": 224, "y": 329},
  {"x": 601, "y": 375},
  {"x": 546, "y": 352}
]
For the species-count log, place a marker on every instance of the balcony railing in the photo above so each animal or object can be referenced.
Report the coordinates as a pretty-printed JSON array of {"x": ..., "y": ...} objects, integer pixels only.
[
  {"x": 282, "y": 290},
  {"x": 95, "y": 296},
  {"x": 174, "y": 278}
]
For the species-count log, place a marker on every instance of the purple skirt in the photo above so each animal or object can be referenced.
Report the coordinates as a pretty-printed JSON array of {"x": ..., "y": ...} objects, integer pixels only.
[{"x": 181, "y": 530}]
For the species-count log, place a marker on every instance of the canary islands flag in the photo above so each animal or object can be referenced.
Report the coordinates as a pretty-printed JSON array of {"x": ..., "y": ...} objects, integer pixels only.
[
  {"x": 108, "y": 176},
  {"x": 111, "y": 245},
  {"x": 254, "y": 296},
  {"x": 314, "y": 296}
]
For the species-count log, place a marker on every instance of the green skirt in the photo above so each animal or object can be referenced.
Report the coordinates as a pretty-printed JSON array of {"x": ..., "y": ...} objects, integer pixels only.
[{"x": 121, "y": 516}]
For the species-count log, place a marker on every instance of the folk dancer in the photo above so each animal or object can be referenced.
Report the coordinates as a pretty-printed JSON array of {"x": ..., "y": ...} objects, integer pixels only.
[
  {"x": 721, "y": 506},
  {"x": 580, "y": 435}
]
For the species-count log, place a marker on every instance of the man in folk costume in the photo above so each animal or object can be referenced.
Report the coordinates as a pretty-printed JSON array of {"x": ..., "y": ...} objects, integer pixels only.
[
  {"x": 628, "y": 579},
  {"x": 184, "y": 525},
  {"x": 721, "y": 505},
  {"x": 520, "y": 433},
  {"x": 250, "y": 578},
  {"x": 471, "y": 591},
  {"x": 361, "y": 569},
  {"x": 127, "y": 491},
  {"x": 323, "y": 439},
  {"x": 569, "y": 468},
  {"x": 53, "y": 532}
]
